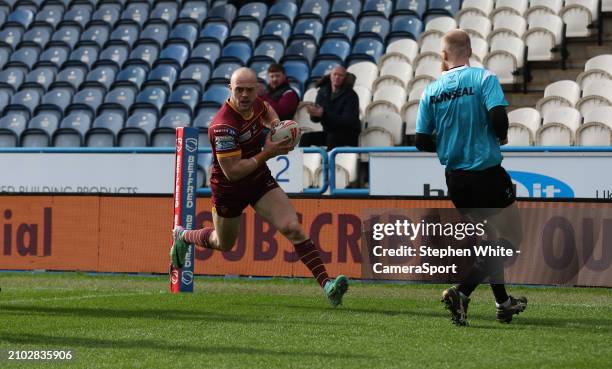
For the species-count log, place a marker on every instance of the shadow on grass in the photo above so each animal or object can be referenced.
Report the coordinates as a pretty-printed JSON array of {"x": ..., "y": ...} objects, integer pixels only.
[{"x": 101, "y": 343}]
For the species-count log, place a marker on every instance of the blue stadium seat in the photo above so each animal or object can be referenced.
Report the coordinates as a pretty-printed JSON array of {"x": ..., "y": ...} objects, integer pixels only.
[
  {"x": 403, "y": 26},
  {"x": 197, "y": 70},
  {"x": 381, "y": 7},
  {"x": 69, "y": 35},
  {"x": 321, "y": 68},
  {"x": 317, "y": 8},
  {"x": 104, "y": 130},
  {"x": 302, "y": 47},
  {"x": 119, "y": 98},
  {"x": 21, "y": 16},
  {"x": 25, "y": 56},
  {"x": 85, "y": 55},
  {"x": 308, "y": 26},
  {"x": 115, "y": 53},
  {"x": 71, "y": 76},
  {"x": 11, "y": 35},
  {"x": 341, "y": 26},
  {"x": 337, "y": 47},
  {"x": 57, "y": 100},
  {"x": 25, "y": 100},
  {"x": 137, "y": 129},
  {"x": 11, "y": 78},
  {"x": 104, "y": 75},
  {"x": 215, "y": 31},
  {"x": 11, "y": 127},
  {"x": 166, "y": 73},
  {"x": 444, "y": 7},
  {"x": 5, "y": 54},
  {"x": 205, "y": 116},
  {"x": 176, "y": 53},
  {"x": 165, "y": 11},
  {"x": 216, "y": 93},
  {"x": 72, "y": 130},
  {"x": 184, "y": 96},
  {"x": 146, "y": 53},
  {"x": 137, "y": 12},
  {"x": 373, "y": 26},
  {"x": 5, "y": 98},
  {"x": 273, "y": 49},
  {"x": 79, "y": 13},
  {"x": 42, "y": 77},
  {"x": 127, "y": 32},
  {"x": 97, "y": 34},
  {"x": 50, "y": 14},
  {"x": 260, "y": 65},
  {"x": 156, "y": 32},
  {"x": 209, "y": 50},
  {"x": 416, "y": 7},
  {"x": 245, "y": 29},
  {"x": 283, "y": 10},
  {"x": 298, "y": 71},
  {"x": 165, "y": 134},
  {"x": 196, "y": 10},
  {"x": 225, "y": 13},
  {"x": 39, "y": 131},
  {"x": 367, "y": 48},
  {"x": 88, "y": 98},
  {"x": 256, "y": 10},
  {"x": 108, "y": 13},
  {"x": 55, "y": 54},
  {"x": 279, "y": 28},
  {"x": 350, "y": 7},
  {"x": 224, "y": 70},
  {"x": 39, "y": 34},
  {"x": 132, "y": 74},
  {"x": 152, "y": 97},
  {"x": 237, "y": 51},
  {"x": 186, "y": 31}
]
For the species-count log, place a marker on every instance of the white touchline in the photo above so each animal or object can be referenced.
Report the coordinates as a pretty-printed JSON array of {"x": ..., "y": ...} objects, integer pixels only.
[{"x": 84, "y": 297}]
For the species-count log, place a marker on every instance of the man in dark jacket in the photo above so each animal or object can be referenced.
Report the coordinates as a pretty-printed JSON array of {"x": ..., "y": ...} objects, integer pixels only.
[
  {"x": 337, "y": 109},
  {"x": 283, "y": 99}
]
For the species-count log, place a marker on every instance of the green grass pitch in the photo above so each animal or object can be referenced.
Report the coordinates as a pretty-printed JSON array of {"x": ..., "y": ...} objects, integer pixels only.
[{"x": 117, "y": 321}]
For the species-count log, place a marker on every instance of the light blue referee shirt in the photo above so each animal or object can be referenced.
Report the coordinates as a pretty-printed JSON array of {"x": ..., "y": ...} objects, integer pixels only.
[{"x": 456, "y": 107}]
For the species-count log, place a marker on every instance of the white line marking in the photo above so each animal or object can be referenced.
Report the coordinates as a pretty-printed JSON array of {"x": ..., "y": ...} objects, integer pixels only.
[{"x": 84, "y": 297}]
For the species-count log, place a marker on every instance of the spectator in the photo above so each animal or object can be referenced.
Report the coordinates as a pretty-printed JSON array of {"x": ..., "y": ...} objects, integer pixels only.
[
  {"x": 283, "y": 99},
  {"x": 337, "y": 109}
]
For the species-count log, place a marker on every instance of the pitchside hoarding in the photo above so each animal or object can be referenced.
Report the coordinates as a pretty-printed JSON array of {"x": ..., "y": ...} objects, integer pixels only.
[{"x": 535, "y": 174}]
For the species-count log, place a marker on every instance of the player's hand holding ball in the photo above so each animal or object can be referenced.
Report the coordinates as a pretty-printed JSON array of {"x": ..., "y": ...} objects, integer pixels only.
[{"x": 287, "y": 129}]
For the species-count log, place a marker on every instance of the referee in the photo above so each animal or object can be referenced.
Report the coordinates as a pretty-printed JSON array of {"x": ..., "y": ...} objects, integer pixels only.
[{"x": 462, "y": 117}]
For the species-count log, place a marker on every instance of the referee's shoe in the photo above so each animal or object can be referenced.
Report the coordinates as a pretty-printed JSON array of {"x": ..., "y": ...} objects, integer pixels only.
[
  {"x": 513, "y": 306},
  {"x": 457, "y": 304}
]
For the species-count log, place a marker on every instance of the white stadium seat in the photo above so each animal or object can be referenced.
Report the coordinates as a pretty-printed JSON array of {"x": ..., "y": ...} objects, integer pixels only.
[
  {"x": 559, "y": 127},
  {"x": 387, "y": 121},
  {"x": 523, "y": 125},
  {"x": 409, "y": 115},
  {"x": 390, "y": 89},
  {"x": 365, "y": 97},
  {"x": 442, "y": 24},
  {"x": 312, "y": 163},
  {"x": 428, "y": 64},
  {"x": 505, "y": 58},
  {"x": 482, "y": 7},
  {"x": 596, "y": 68},
  {"x": 310, "y": 95},
  {"x": 365, "y": 72},
  {"x": 560, "y": 93},
  {"x": 544, "y": 33},
  {"x": 512, "y": 25},
  {"x": 578, "y": 15},
  {"x": 480, "y": 48},
  {"x": 431, "y": 41},
  {"x": 508, "y": 7},
  {"x": 303, "y": 119},
  {"x": 596, "y": 129},
  {"x": 396, "y": 64},
  {"x": 417, "y": 86},
  {"x": 539, "y": 7},
  {"x": 407, "y": 47},
  {"x": 594, "y": 95},
  {"x": 476, "y": 25},
  {"x": 347, "y": 166}
]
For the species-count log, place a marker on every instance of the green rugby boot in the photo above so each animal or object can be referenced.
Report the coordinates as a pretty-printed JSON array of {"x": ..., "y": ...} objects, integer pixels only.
[
  {"x": 179, "y": 247},
  {"x": 335, "y": 290}
]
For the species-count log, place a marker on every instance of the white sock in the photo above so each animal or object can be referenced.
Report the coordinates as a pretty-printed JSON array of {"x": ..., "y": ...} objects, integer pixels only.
[{"x": 504, "y": 304}]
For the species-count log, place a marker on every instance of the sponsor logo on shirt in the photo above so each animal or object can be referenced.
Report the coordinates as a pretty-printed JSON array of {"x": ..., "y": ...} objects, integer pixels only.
[{"x": 224, "y": 143}]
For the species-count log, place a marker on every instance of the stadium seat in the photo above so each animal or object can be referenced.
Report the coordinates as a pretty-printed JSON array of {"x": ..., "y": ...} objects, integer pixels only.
[
  {"x": 381, "y": 7},
  {"x": 175, "y": 53},
  {"x": 88, "y": 98},
  {"x": 366, "y": 48},
  {"x": 196, "y": 10},
  {"x": 376, "y": 26},
  {"x": 557, "y": 94},
  {"x": 350, "y": 7},
  {"x": 21, "y": 16},
  {"x": 104, "y": 130},
  {"x": 166, "y": 73},
  {"x": 541, "y": 7},
  {"x": 559, "y": 127},
  {"x": 544, "y": 33},
  {"x": 5, "y": 53},
  {"x": 104, "y": 75},
  {"x": 480, "y": 48},
  {"x": 416, "y": 7},
  {"x": 11, "y": 35},
  {"x": 39, "y": 131},
  {"x": 166, "y": 11},
  {"x": 97, "y": 34},
  {"x": 472, "y": 7},
  {"x": 246, "y": 29},
  {"x": 137, "y": 130},
  {"x": 11, "y": 127},
  {"x": 108, "y": 13},
  {"x": 303, "y": 48},
  {"x": 428, "y": 64},
  {"x": 279, "y": 28},
  {"x": 204, "y": 116},
  {"x": 237, "y": 51},
  {"x": 137, "y": 12},
  {"x": 283, "y": 10},
  {"x": 431, "y": 41},
  {"x": 164, "y": 134},
  {"x": 270, "y": 48},
  {"x": 312, "y": 162},
  {"x": 151, "y": 97},
  {"x": 197, "y": 71},
  {"x": 505, "y": 58},
  {"x": 596, "y": 129},
  {"x": 72, "y": 130},
  {"x": 25, "y": 100},
  {"x": 298, "y": 71},
  {"x": 120, "y": 97},
  {"x": 397, "y": 65},
  {"x": 416, "y": 87},
  {"x": 346, "y": 168},
  {"x": 407, "y": 47},
  {"x": 365, "y": 98},
  {"x": 595, "y": 94},
  {"x": 41, "y": 78},
  {"x": 132, "y": 74},
  {"x": 154, "y": 32},
  {"x": 116, "y": 54},
  {"x": 308, "y": 26},
  {"x": 55, "y": 54},
  {"x": 403, "y": 26},
  {"x": 509, "y": 25},
  {"x": 476, "y": 25},
  {"x": 341, "y": 25},
  {"x": 225, "y": 13},
  {"x": 523, "y": 125},
  {"x": 303, "y": 119},
  {"x": 260, "y": 65},
  {"x": 310, "y": 95},
  {"x": 208, "y": 50},
  {"x": 146, "y": 53},
  {"x": 504, "y": 8},
  {"x": 57, "y": 99},
  {"x": 318, "y": 8},
  {"x": 390, "y": 89},
  {"x": 596, "y": 68},
  {"x": 50, "y": 14},
  {"x": 11, "y": 78},
  {"x": 256, "y": 10},
  {"x": 126, "y": 32},
  {"x": 224, "y": 70},
  {"x": 337, "y": 47},
  {"x": 382, "y": 130},
  {"x": 186, "y": 31},
  {"x": 365, "y": 73},
  {"x": 25, "y": 57},
  {"x": 321, "y": 68},
  {"x": 71, "y": 76},
  {"x": 216, "y": 94},
  {"x": 186, "y": 96},
  {"x": 443, "y": 7},
  {"x": 79, "y": 14},
  {"x": 39, "y": 34},
  {"x": 5, "y": 99}
]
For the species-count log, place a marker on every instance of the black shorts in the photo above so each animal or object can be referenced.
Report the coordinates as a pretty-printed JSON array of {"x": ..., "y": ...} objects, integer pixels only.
[{"x": 481, "y": 189}]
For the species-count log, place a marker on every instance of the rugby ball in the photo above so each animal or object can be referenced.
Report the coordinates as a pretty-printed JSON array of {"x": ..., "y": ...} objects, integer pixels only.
[{"x": 287, "y": 128}]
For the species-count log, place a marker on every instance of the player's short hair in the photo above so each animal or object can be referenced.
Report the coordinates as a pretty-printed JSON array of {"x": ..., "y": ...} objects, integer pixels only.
[
  {"x": 276, "y": 68},
  {"x": 457, "y": 42}
]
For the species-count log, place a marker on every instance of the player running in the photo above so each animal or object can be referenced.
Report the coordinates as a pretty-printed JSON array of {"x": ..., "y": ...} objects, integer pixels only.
[
  {"x": 240, "y": 177},
  {"x": 465, "y": 108}
]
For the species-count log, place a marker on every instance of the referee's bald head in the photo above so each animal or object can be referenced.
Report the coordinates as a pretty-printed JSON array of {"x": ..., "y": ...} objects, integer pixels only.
[{"x": 457, "y": 45}]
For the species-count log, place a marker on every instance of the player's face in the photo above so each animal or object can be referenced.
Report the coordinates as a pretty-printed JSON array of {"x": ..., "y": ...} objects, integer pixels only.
[
  {"x": 276, "y": 79},
  {"x": 243, "y": 94}
]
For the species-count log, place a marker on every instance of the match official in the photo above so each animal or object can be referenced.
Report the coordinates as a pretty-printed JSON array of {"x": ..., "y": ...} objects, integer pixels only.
[{"x": 462, "y": 117}]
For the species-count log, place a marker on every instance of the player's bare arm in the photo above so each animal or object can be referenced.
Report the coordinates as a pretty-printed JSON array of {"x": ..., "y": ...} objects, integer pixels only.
[
  {"x": 271, "y": 118},
  {"x": 236, "y": 168}
]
